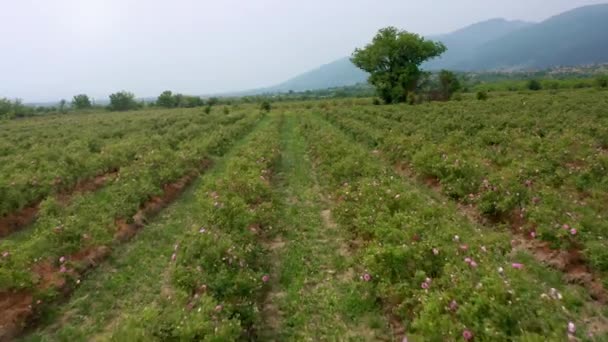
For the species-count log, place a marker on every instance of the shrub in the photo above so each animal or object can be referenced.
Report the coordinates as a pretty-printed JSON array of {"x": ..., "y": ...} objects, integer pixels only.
[
  {"x": 602, "y": 81},
  {"x": 482, "y": 95},
  {"x": 122, "y": 101},
  {"x": 534, "y": 85},
  {"x": 265, "y": 106}
]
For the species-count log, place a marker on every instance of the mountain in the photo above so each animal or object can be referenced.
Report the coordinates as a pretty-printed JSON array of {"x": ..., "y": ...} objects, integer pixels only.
[
  {"x": 335, "y": 74},
  {"x": 463, "y": 43},
  {"x": 572, "y": 38}
]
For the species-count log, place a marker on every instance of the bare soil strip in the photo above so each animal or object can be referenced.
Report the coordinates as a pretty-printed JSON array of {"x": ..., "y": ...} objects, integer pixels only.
[
  {"x": 18, "y": 308},
  {"x": 20, "y": 219}
]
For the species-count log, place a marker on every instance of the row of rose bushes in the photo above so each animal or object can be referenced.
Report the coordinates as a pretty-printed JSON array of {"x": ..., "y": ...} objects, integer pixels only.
[
  {"x": 218, "y": 269},
  {"x": 543, "y": 168},
  {"x": 89, "y": 220},
  {"x": 443, "y": 277},
  {"x": 42, "y": 156}
]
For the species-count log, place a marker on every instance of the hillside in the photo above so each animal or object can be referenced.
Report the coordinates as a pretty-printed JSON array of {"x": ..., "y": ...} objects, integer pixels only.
[
  {"x": 572, "y": 38},
  {"x": 335, "y": 74},
  {"x": 463, "y": 43}
]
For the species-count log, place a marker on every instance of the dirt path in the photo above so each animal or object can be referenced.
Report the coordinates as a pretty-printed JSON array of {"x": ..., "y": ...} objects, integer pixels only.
[{"x": 314, "y": 293}]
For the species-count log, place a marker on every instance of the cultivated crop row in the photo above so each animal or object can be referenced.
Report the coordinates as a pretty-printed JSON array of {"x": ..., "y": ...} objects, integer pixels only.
[
  {"x": 218, "y": 270},
  {"x": 541, "y": 169},
  {"x": 67, "y": 240},
  {"x": 437, "y": 275},
  {"x": 45, "y": 156}
]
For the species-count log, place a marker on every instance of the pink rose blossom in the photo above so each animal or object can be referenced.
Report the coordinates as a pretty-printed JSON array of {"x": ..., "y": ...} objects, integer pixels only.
[
  {"x": 573, "y": 231},
  {"x": 533, "y": 235},
  {"x": 517, "y": 265},
  {"x": 566, "y": 227},
  {"x": 468, "y": 260},
  {"x": 453, "y": 305},
  {"x": 473, "y": 264},
  {"x": 467, "y": 334},
  {"x": 366, "y": 277},
  {"x": 63, "y": 269},
  {"x": 62, "y": 260},
  {"x": 425, "y": 285},
  {"x": 265, "y": 278},
  {"x": 571, "y": 328}
]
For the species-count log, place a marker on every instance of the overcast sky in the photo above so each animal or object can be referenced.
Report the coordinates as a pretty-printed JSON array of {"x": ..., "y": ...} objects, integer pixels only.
[{"x": 55, "y": 49}]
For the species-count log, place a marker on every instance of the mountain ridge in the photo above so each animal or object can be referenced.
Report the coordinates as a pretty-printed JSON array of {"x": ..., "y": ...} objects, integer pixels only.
[{"x": 571, "y": 38}]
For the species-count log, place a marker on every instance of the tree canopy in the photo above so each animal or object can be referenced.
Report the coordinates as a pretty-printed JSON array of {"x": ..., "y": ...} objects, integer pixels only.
[
  {"x": 393, "y": 59},
  {"x": 122, "y": 100},
  {"x": 81, "y": 101}
]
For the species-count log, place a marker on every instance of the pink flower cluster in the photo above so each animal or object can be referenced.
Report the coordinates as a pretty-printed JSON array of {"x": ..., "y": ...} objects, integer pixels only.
[
  {"x": 470, "y": 262},
  {"x": 366, "y": 277},
  {"x": 426, "y": 284}
]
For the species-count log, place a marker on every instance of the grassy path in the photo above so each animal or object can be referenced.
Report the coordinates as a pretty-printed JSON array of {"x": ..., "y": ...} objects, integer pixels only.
[
  {"x": 133, "y": 278},
  {"x": 314, "y": 295}
]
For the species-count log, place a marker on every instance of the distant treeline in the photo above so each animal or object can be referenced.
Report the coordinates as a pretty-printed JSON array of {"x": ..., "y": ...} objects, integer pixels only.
[{"x": 432, "y": 87}]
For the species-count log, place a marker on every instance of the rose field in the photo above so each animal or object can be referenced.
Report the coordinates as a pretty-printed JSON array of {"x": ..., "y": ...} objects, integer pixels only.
[{"x": 466, "y": 220}]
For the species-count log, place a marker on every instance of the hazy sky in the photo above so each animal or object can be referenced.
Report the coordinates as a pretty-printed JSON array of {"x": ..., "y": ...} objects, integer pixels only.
[{"x": 55, "y": 49}]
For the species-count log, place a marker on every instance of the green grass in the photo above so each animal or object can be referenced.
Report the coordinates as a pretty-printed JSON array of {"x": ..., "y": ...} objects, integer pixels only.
[{"x": 316, "y": 295}]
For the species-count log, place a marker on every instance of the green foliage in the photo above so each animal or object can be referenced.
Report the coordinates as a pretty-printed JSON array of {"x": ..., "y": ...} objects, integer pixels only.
[
  {"x": 602, "y": 81},
  {"x": 14, "y": 109},
  {"x": 81, "y": 101},
  {"x": 534, "y": 85},
  {"x": 482, "y": 95},
  {"x": 166, "y": 99},
  {"x": 393, "y": 60},
  {"x": 265, "y": 106},
  {"x": 449, "y": 84},
  {"x": 122, "y": 101}
]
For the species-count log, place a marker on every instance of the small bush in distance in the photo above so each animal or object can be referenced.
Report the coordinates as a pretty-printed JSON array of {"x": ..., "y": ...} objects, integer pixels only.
[
  {"x": 482, "y": 95},
  {"x": 602, "y": 81},
  {"x": 534, "y": 85},
  {"x": 265, "y": 106}
]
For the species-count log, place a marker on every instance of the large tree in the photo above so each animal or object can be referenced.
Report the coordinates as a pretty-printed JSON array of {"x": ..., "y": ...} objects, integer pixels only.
[
  {"x": 81, "y": 101},
  {"x": 393, "y": 59},
  {"x": 166, "y": 99}
]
